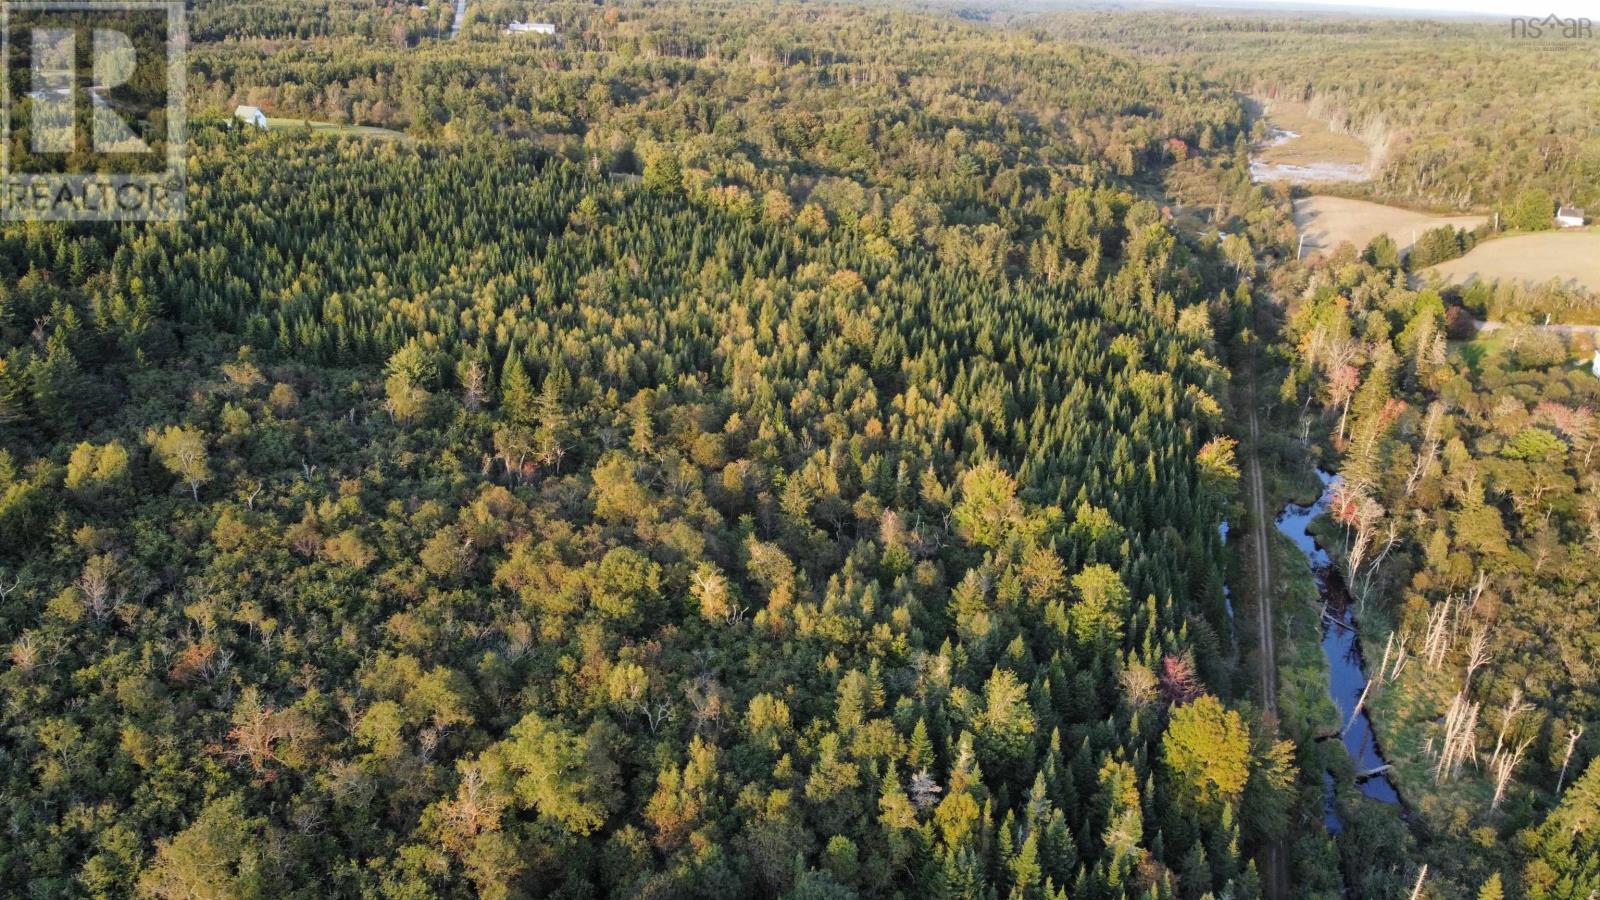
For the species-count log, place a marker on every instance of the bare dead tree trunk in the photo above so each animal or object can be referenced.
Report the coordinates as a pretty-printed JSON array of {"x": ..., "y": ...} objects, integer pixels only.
[
  {"x": 1508, "y": 715},
  {"x": 99, "y": 585},
  {"x": 1476, "y": 592},
  {"x": 1436, "y": 642},
  {"x": 1389, "y": 541},
  {"x": 1460, "y": 738},
  {"x": 1400, "y": 658},
  {"x": 1478, "y": 654},
  {"x": 1503, "y": 770},
  {"x": 1383, "y": 666},
  {"x": 1432, "y": 429},
  {"x": 656, "y": 714},
  {"x": 1366, "y": 517},
  {"x": 1361, "y": 703},
  {"x": 474, "y": 385},
  {"x": 1421, "y": 877},
  {"x": 1572, "y": 741}
]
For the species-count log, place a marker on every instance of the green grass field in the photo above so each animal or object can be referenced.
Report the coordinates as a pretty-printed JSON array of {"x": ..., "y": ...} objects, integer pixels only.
[{"x": 336, "y": 129}]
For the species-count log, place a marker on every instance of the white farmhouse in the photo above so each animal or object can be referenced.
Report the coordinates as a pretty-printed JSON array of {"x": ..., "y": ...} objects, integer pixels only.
[
  {"x": 1597, "y": 364},
  {"x": 530, "y": 28},
  {"x": 251, "y": 115},
  {"x": 1569, "y": 217}
]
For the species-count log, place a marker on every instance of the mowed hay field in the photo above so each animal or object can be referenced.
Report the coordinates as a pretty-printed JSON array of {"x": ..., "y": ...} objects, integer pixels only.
[
  {"x": 1327, "y": 222},
  {"x": 1570, "y": 257}
]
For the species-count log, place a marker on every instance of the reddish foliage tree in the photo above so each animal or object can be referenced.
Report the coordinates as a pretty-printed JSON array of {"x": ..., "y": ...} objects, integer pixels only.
[{"x": 1179, "y": 684}]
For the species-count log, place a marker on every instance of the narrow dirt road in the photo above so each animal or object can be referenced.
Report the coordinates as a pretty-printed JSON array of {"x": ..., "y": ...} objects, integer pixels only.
[
  {"x": 1553, "y": 328},
  {"x": 1268, "y": 650},
  {"x": 1275, "y": 873}
]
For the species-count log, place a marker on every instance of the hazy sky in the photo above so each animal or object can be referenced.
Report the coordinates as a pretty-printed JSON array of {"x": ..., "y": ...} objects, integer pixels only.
[{"x": 1536, "y": 8}]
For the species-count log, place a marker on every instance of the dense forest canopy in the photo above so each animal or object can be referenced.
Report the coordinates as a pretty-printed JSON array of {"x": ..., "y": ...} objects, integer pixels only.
[
  {"x": 729, "y": 450},
  {"x": 451, "y": 516},
  {"x": 365, "y": 21}
]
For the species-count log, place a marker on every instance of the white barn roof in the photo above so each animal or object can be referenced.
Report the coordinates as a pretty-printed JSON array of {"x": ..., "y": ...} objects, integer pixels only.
[{"x": 252, "y": 115}]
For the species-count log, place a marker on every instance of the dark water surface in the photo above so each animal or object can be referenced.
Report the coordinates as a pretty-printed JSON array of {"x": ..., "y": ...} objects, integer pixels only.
[
  {"x": 1227, "y": 592},
  {"x": 1347, "y": 676}
]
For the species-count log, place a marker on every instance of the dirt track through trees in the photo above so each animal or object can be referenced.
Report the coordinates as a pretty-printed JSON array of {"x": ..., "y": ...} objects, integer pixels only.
[{"x": 1274, "y": 874}]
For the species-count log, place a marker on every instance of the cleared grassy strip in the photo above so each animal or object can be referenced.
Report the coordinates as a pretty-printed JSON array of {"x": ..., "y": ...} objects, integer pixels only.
[{"x": 336, "y": 129}]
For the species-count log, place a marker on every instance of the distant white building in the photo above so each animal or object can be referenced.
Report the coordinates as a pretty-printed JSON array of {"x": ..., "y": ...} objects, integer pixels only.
[
  {"x": 530, "y": 28},
  {"x": 251, "y": 115},
  {"x": 1569, "y": 217},
  {"x": 1597, "y": 364}
]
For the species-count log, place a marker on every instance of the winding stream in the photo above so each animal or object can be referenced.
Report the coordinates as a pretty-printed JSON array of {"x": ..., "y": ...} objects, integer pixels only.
[
  {"x": 1227, "y": 592},
  {"x": 1347, "y": 677}
]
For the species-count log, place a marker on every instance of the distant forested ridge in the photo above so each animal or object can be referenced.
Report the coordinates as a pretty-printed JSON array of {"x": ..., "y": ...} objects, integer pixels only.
[
  {"x": 944, "y": 128},
  {"x": 1464, "y": 114}
]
